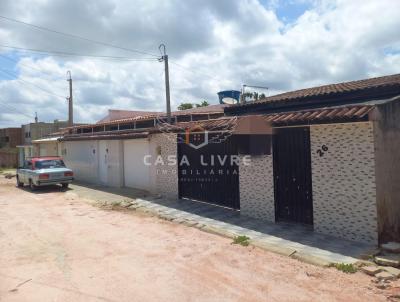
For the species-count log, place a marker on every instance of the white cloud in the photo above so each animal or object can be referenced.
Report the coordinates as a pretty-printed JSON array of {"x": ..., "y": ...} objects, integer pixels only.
[{"x": 220, "y": 44}]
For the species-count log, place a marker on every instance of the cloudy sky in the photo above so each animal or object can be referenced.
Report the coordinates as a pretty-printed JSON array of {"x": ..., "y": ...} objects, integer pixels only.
[{"x": 212, "y": 45}]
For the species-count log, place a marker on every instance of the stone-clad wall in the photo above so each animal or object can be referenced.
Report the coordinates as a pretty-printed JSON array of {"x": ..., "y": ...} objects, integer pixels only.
[
  {"x": 256, "y": 185},
  {"x": 165, "y": 176},
  {"x": 343, "y": 181}
]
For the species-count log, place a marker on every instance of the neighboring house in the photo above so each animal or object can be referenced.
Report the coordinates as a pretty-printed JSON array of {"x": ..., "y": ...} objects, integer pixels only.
[
  {"x": 328, "y": 157},
  {"x": 38, "y": 130},
  {"x": 103, "y": 153},
  {"x": 34, "y": 131},
  {"x": 114, "y": 114},
  {"x": 47, "y": 146},
  {"x": 9, "y": 139}
]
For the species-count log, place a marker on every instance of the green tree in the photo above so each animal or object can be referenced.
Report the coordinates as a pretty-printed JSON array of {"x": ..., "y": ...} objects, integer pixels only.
[
  {"x": 255, "y": 96},
  {"x": 202, "y": 104},
  {"x": 184, "y": 106}
]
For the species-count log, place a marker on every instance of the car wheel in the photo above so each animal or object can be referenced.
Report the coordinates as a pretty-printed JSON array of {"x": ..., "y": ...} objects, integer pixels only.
[
  {"x": 64, "y": 186},
  {"x": 19, "y": 184},
  {"x": 32, "y": 185}
]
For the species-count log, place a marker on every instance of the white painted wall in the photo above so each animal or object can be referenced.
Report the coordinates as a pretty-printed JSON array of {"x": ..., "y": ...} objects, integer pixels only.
[
  {"x": 136, "y": 173},
  {"x": 53, "y": 148},
  {"x": 48, "y": 149}
]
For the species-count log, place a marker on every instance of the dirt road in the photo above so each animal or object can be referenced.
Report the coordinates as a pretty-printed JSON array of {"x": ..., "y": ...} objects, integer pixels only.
[{"x": 56, "y": 247}]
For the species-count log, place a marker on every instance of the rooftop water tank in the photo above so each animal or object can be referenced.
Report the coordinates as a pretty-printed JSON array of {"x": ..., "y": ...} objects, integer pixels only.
[{"x": 229, "y": 97}]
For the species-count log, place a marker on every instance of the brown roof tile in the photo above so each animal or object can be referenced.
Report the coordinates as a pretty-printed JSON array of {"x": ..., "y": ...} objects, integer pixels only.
[
  {"x": 348, "y": 113},
  {"x": 318, "y": 115},
  {"x": 324, "y": 90}
]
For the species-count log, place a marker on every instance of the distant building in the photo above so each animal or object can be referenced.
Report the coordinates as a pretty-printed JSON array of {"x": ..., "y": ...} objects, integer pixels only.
[
  {"x": 35, "y": 131},
  {"x": 9, "y": 139}
]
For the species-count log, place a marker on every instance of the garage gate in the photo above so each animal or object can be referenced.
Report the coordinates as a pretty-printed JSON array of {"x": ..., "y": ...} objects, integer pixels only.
[
  {"x": 136, "y": 173},
  {"x": 292, "y": 175},
  {"x": 210, "y": 176}
]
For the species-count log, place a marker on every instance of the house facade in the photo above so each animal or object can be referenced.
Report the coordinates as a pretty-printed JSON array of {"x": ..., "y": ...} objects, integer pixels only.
[
  {"x": 327, "y": 158},
  {"x": 47, "y": 146},
  {"x": 334, "y": 164}
]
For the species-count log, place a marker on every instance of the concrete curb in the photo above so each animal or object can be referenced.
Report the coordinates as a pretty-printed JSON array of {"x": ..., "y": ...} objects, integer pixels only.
[
  {"x": 218, "y": 231},
  {"x": 138, "y": 206},
  {"x": 277, "y": 249},
  {"x": 310, "y": 259},
  {"x": 281, "y": 250}
]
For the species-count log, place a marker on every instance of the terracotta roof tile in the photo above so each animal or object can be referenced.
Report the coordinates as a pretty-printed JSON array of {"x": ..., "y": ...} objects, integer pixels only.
[
  {"x": 353, "y": 86},
  {"x": 317, "y": 115},
  {"x": 349, "y": 112}
]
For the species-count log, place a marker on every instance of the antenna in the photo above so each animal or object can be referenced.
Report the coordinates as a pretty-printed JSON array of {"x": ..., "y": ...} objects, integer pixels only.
[{"x": 243, "y": 96}]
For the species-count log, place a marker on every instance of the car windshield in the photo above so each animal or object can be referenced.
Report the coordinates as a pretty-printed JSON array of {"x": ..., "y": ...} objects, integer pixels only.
[{"x": 49, "y": 163}]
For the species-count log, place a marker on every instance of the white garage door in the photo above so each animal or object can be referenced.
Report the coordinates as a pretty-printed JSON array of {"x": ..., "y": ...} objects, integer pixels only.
[{"x": 136, "y": 173}]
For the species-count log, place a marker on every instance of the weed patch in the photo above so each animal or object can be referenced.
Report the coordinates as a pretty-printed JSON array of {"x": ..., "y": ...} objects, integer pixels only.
[
  {"x": 345, "y": 268},
  {"x": 242, "y": 240}
]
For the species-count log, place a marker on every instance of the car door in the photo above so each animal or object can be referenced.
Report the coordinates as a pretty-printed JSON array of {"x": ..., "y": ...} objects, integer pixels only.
[
  {"x": 21, "y": 172},
  {"x": 29, "y": 171},
  {"x": 24, "y": 171}
]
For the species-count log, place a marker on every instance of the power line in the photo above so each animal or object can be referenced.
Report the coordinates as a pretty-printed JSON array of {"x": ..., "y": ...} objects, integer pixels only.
[
  {"x": 64, "y": 53},
  {"x": 29, "y": 66},
  {"x": 15, "y": 77},
  {"x": 42, "y": 28},
  {"x": 77, "y": 37},
  {"x": 192, "y": 70},
  {"x": 13, "y": 109}
]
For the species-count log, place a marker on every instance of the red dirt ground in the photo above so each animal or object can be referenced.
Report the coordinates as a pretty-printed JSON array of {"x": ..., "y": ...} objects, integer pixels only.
[{"x": 67, "y": 250}]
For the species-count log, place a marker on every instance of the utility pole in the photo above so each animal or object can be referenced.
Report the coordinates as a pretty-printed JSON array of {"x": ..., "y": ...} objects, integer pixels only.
[
  {"x": 164, "y": 57},
  {"x": 70, "y": 101}
]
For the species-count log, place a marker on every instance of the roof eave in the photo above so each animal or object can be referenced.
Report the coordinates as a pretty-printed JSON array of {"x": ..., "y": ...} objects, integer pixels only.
[{"x": 314, "y": 102}]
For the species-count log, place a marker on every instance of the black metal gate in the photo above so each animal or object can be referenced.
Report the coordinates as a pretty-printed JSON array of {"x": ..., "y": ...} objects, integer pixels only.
[
  {"x": 292, "y": 175},
  {"x": 208, "y": 173}
]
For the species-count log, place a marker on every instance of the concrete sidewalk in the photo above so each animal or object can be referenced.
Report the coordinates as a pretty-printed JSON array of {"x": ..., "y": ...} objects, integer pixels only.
[{"x": 296, "y": 241}]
